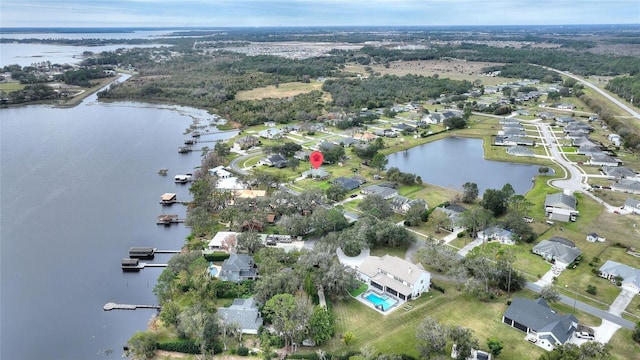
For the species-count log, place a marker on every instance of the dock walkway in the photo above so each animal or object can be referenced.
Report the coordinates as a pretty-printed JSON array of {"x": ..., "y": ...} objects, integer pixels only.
[{"x": 115, "y": 306}]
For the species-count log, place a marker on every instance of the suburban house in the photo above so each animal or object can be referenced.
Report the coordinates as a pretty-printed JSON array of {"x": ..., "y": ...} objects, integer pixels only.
[
  {"x": 615, "y": 139},
  {"x": 223, "y": 241},
  {"x": 543, "y": 325},
  {"x": 238, "y": 268},
  {"x": 220, "y": 172},
  {"x": 627, "y": 186},
  {"x": 560, "y": 251},
  {"x": 593, "y": 237},
  {"x": 245, "y": 142},
  {"x": 366, "y": 137},
  {"x": 383, "y": 191},
  {"x": 497, "y": 233},
  {"x": 519, "y": 151},
  {"x": 504, "y": 140},
  {"x": 630, "y": 275},
  {"x": 603, "y": 160},
  {"x": 453, "y": 211},
  {"x": 244, "y": 314},
  {"x": 346, "y": 183},
  {"x": 394, "y": 276},
  {"x": 319, "y": 174},
  {"x": 401, "y": 204},
  {"x": 402, "y": 127},
  {"x": 271, "y": 133},
  {"x": 561, "y": 207},
  {"x": 583, "y": 141},
  {"x": 618, "y": 172},
  {"x": 546, "y": 115},
  {"x": 302, "y": 155},
  {"x": 346, "y": 142},
  {"x": 632, "y": 205},
  {"x": 276, "y": 160}
]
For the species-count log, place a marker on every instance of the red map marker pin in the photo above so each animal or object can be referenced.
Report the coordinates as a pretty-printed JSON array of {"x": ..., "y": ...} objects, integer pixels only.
[{"x": 316, "y": 159}]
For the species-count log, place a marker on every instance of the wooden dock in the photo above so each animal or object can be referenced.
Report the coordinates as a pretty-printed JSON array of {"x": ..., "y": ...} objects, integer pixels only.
[
  {"x": 168, "y": 220},
  {"x": 114, "y": 306}
]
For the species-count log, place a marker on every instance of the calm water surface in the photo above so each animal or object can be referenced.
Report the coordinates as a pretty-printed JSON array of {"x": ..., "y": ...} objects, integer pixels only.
[
  {"x": 78, "y": 187},
  {"x": 452, "y": 162}
]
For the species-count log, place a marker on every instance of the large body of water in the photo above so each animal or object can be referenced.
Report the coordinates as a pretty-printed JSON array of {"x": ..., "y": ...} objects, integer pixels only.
[
  {"x": 78, "y": 187},
  {"x": 451, "y": 162}
]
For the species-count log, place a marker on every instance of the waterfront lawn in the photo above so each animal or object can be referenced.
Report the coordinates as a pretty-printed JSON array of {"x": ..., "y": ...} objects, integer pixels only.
[
  {"x": 11, "y": 86},
  {"x": 453, "y": 307},
  {"x": 280, "y": 91}
]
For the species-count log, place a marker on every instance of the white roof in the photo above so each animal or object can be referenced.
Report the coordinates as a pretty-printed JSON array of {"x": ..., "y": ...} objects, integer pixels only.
[
  {"x": 220, "y": 236},
  {"x": 231, "y": 183}
]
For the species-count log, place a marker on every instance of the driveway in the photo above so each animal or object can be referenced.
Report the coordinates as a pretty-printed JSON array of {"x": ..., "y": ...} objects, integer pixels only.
[
  {"x": 352, "y": 261},
  {"x": 622, "y": 301}
]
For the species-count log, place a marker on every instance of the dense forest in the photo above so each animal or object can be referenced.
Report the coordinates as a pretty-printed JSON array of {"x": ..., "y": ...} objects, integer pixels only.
[
  {"x": 375, "y": 92},
  {"x": 627, "y": 87}
]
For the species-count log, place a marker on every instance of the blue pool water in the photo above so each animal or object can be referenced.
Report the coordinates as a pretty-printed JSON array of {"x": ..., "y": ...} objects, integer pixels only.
[
  {"x": 213, "y": 271},
  {"x": 384, "y": 302}
]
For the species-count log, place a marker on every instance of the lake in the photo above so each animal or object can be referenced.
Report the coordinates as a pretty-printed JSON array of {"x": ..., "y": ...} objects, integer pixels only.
[
  {"x": 453, "y": 161},
  {"x": 79, "y": 186}
]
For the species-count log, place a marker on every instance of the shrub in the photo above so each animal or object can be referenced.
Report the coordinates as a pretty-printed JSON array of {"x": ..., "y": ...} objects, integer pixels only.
[
  {"x": 243, "y": 351},
  {"x": 437, "y": 287},
  {"x": 217, "y": 256},
  {"x": 592, "y": 289},
  {"x": 186, "y": 346}
]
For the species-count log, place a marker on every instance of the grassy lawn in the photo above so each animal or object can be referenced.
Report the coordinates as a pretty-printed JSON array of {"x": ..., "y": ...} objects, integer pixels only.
[
  {"x": 11, "y": 86},
  {"x": 453, "y": 307},
  {"x": 398, "y": 251},
  {"x": 281, "y": 91},
  {"x": 622, "y": 347}
]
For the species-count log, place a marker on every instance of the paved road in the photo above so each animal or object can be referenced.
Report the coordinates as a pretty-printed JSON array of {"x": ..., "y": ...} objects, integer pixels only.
[
  {"x": 588, "y": 308},
  {"x": 236, "y": 163},
  {"x": 602, "y": 92},
  {"x": 573, "y": 176}
]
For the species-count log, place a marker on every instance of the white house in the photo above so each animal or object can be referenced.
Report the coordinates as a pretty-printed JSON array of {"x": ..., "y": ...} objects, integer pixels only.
[
  {"x": 559, "y": 250},
  {"x": 630, "y": 275},
  {"x": 220, "y": 172},
  {"x": 593, "y": 237},
  {"x": 395, "y": 276},
  {"x": 271, "y": 133},
  {"x": 223, "y": 240},
  {"x": 561, "y": 207}
]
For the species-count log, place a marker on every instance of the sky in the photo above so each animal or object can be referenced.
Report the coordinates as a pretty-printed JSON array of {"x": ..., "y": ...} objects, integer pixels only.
[{"x": 250, "y": 13}]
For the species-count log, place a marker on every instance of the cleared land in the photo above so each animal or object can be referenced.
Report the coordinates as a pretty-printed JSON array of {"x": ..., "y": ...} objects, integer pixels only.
[
  {"x": 280, "y": 91},
  {"x": 451, "y": 68}
]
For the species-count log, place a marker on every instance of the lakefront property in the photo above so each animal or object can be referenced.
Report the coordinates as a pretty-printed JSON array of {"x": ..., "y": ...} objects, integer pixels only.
[{"x": 260, "y": 265}]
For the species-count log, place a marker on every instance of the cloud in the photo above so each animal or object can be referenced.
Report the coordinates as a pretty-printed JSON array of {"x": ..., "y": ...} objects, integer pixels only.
[{"x": 39, "y": 13}]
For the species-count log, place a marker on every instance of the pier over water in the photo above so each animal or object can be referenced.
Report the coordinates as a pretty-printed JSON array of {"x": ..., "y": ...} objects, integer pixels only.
[{"x": 115, "y": 306}]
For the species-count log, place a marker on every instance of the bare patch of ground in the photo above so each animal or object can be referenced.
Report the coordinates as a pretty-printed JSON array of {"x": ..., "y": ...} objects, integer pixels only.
[
  {"x": 281, "y": 91},
  {"x": 446, "y": 68}
]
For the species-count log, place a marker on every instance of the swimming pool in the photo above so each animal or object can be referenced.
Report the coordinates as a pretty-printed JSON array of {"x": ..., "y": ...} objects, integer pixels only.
[{"x": 385, "y": 303}]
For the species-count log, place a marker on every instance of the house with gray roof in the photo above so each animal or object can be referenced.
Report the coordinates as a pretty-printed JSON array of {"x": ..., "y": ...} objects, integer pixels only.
[
  {"x": 559, "y": 250},
  {"x": 512, "y": 132},
  {"x": 627, "y": 186},
  {"x": 632, "y": 205},
  {"x": 384, "y": 191},
  {"x": 618, "y": 172},
  {"x": 630, "y": 275},
  {"x": 401, "y": 204},
  {"x": 244, "y": 314},
  {"x": 454, "y": 212},
  {"x": 584, "y": 140},
  {"x": 603, "y": 160},
  {"x": 546, "y": 115},
  {"x": 497, "y": 233},
  {"x": 588, "y": 150},
  {"x": 238, "y": 268},
  {"x": 318, "y": 174},
  {"x": 561, "y": 207},
  {"x": 245, "y": 142},
  {"x": 543, "y": 326},
  {"x": 395, "y": 276},
  {"x": 347, "y": 183},
  {"x": 275, "y": 160},
  {"x": 519, "y": 150}
]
